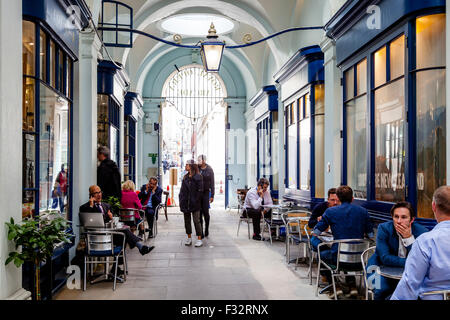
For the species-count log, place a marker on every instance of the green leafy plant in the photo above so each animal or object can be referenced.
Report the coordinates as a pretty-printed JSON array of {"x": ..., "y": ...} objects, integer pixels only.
[
  {"x": 114, "y": 203},
  {"x": 36, "y": 238}
]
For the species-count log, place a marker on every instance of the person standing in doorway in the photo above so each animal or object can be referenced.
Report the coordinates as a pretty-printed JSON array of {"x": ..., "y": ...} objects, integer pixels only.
[
  {"x": 208, "y": 192},
  {"x": 190, "y": 201},
  {"x": 108, "y": 175}
]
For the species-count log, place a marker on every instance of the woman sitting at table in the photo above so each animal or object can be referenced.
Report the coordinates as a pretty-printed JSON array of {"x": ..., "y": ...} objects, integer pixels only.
[
  {"x": 130, "y": 200},
  {"x": 394, "y": 241}
]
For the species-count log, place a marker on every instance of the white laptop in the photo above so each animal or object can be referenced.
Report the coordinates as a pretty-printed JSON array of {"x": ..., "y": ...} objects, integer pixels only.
[{"x": 92, "y": 219}]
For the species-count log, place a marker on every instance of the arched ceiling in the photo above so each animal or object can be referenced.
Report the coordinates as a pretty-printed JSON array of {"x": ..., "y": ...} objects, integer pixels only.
[{"x": 259, "y": 18}]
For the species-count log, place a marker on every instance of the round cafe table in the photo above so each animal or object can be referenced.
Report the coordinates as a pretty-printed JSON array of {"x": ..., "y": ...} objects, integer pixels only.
[{"x": 391, "y": 272}]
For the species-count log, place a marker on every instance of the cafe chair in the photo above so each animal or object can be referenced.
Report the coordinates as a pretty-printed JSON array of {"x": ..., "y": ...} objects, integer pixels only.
[
  {"x": 99, "y": 244},
  {"x": 311, "y": 253},
  {"x": 348, "y": 260},
  {"x": 164, "y": 206},
  {"x": 247, "y": 220},
  {"x": 270, "y": 223},
  {"x": 364, "y": 258},
  {"x": 126, "y": 215},
  {"x": 294, "y": 234},
  {"x": 445, "y": 293}
]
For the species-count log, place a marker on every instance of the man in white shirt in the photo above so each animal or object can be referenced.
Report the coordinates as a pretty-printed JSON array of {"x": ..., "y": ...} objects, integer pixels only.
[{"x": 253, "y": 205}]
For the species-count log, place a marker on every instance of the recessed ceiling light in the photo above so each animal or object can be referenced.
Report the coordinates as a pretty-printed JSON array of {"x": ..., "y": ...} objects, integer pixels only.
[{"x": 196, "y": 24}]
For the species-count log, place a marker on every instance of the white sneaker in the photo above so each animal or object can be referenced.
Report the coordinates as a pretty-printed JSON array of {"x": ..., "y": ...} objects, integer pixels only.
[
  {"x": 198, "y": 243},
  {"x": 188, "y": 242}
]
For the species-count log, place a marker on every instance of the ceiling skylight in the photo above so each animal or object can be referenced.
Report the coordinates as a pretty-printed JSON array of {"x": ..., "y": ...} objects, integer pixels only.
[{"x": 196, "y": 24}]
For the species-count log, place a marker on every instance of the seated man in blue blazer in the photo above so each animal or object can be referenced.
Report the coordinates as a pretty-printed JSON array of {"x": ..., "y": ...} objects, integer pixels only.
[
  {"x": 394, "y": 241},
  {"x": 150, "y": 197}
]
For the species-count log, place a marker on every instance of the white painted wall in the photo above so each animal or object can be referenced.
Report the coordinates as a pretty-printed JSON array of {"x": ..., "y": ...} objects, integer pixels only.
[{"x": 11, "y": 137}]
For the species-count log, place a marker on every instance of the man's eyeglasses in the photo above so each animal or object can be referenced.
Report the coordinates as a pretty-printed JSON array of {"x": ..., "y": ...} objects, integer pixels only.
[{"x": 95, "y": 193}]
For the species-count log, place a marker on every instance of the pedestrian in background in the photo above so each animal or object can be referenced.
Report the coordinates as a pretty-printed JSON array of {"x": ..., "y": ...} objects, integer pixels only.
[
  {"x": 208, "y": 192},
  {"x": 190, "y": 201},
  {"x": 108, "y": 175}
]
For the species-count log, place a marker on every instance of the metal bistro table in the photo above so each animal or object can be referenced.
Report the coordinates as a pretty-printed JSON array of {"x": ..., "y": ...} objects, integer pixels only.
[
  {"x": 108, "y": 276},
  {"x": 391, "y": 272},
  {"x": 277, "y": 216}
]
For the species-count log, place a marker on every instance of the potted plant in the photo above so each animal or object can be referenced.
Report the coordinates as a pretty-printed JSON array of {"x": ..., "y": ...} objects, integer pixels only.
[
  {"x": 35, "y": 240},
  {"x": 115, "y": 205}
]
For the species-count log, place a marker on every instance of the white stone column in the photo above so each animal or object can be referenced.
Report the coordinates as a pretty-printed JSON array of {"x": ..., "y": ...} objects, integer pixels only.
[
  {"x": 281, "y": 148},
  {"x": 10, "y": 141},
  {"x": 333, "y": 116},
  {"x": 121, "y": 140},
  {"x": 138, "y": 149},
  {"x": 84, "y": 124}
]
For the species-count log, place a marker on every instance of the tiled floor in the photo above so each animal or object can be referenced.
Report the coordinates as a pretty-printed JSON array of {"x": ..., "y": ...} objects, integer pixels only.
[{"x": 226, "y": 267}]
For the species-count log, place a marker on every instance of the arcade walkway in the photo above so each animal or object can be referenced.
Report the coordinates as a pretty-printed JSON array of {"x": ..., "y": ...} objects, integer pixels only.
[{"x": 226, "y": 267}]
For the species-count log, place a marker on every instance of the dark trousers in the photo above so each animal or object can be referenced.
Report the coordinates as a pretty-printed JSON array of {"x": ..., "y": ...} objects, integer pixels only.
[
  {"x": 150, "y": 214},
  {"x": 130, "y": 238},
  {"x": 256, "y": 218},
  {"x": 197, "y": 224},
  {"x": 204, "y": 210}
]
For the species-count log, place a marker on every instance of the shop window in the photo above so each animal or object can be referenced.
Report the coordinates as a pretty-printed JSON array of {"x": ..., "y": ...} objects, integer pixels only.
[
  {"x": 103, "y": 121},
  {"x": 380, "y": 67},
  {"x": 305, "y": 148},
  {"x": 54, "y": 151},
  {"x": 356, "y": 131},
  {"x": 69, "y": 78},
  {"x": 52, "y": 60},
  {"x": 349, "y": 84},
  {"x": 292, "y": 147},
  {"x": 29, "y": 48},
  {"x": 43, "y": 56},
  {"x": 61, "y": 71},
  {"x": 275, "y": 144},
  {"x": 319, "y": 132},
  {"x": 28, "y": 104},
  {"x": 397, "y": 56},
  {"x": 431, "y": 110}
]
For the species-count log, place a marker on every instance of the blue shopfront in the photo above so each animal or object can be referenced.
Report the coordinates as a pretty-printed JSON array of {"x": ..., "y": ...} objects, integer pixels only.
[
  {"x": 265, "y": 104},
  {"x": 394, "y": 129},
  {"x": 133, "y": 103},
  {"x": 49, "y": 50},
  {"x": 302, "y": 94},
  {"x": 112, "y": 82}
]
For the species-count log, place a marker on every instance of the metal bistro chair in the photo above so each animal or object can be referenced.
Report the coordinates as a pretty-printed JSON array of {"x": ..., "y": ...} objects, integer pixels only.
[
  {"x": 348, "y": 260},
  {"x": 128, "y": 215},
  {"x": 160, "y": 206},
  {"x": 270, "y": 223},
  {"x": 445, "y": 293},
  {"x": 294, "y": 224},
  {"x": 241, "y": 199},
  {"x": 364, "y": 258},
  {"x": 99, "y": 244},
  {"x": 311, "y": 253}
]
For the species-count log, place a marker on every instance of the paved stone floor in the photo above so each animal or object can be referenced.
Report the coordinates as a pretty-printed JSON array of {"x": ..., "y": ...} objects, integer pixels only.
[{"x": 226, "y": 267}]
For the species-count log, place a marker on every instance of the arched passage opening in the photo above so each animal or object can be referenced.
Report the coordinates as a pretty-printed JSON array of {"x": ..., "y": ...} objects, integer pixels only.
[{"x": 193, "y": 118}]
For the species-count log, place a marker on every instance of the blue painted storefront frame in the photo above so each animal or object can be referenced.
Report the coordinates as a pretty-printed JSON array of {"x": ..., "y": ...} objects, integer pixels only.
[
  {"x": 308, "y": 62},
  {"x": 268, "y": 95},
  {"x": 49, "y": 16},
  {"x": 396, "y": 20},
  {"x": 133, "y": 102}
]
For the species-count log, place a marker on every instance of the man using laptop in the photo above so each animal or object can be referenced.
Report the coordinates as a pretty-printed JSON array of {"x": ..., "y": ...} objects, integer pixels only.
[{"x": 95, "y": 204}]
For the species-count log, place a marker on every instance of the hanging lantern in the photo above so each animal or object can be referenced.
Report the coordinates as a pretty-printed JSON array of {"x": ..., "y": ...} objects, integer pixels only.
[{"x": 211, "y": 51}]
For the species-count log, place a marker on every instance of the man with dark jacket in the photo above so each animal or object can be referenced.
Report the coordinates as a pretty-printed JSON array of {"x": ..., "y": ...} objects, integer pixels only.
[
  {"x": 208, "y": 192},
  {"x": 95, "y": 204},
  {"x": 108, "y": 174},
  {"x": 394, "y": 241},
  {"x": 150, "y": 197}
]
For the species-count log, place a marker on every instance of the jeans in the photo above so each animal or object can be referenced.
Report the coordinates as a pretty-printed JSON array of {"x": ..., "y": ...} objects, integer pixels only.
[{"x": 197, "y": 224}]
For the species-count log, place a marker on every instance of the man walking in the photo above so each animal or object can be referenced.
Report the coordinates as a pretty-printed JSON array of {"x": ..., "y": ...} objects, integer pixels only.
[
  {"x": 108, "y": 175},
  {"x": 208, "y": 192}
]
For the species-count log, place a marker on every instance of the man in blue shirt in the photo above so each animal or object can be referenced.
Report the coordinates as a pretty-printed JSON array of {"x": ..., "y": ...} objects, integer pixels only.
[
  {"x": 427, "y": 267},
  {"x": 394, "y": 241},
  {"x": 347, "y": 221}
]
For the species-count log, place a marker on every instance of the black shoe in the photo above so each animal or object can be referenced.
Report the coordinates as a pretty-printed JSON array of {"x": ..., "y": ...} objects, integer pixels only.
[
  {"x": 147, "y": 229},
  {"x": 203, "y": 235},
  {"x": 257, "y": 237},
  {"x": 206, "y": 233},
  {"x": 150, "y": 234},
  {"x": 146, "y": 249}
]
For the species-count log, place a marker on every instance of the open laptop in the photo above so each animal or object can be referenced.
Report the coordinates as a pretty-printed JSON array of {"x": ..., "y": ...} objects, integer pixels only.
[{"x": 92, "y": 219}]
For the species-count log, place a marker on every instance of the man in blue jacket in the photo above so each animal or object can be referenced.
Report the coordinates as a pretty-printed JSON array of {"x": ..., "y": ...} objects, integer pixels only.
[{"x": 394, "y": 241}]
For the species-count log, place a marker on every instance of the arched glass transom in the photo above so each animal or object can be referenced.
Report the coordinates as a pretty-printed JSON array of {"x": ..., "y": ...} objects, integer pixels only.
[{"x": 194, "y": 92}]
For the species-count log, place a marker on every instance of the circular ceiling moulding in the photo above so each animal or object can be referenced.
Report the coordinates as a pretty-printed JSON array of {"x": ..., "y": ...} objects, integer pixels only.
[{"x": 196, "y": 24}]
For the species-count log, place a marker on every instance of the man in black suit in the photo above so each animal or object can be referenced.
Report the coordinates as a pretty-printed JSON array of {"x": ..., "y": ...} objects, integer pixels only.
[
  {"x": 150, "y": 197},
  {"x": 108, "y": 175},
  {"x": 95, "y": 204}
]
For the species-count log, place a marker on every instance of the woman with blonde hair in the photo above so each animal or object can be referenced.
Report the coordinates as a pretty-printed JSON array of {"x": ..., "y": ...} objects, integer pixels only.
[{"x": 130, "y": 200}]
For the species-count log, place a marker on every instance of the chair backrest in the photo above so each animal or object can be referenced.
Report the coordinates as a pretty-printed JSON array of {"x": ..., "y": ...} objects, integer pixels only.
[
  {"x": 445, "y": 293},
  {"x": 127, "y": 214},
  {"x": 99, "y": 241},
  {"x": 349, "y": 251},
  {"x": 307, "y": 231},
  {"x": 166, "y": 193},
  {"x": 364, "y": 258},
  {"x": 296, "y": 226}
]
